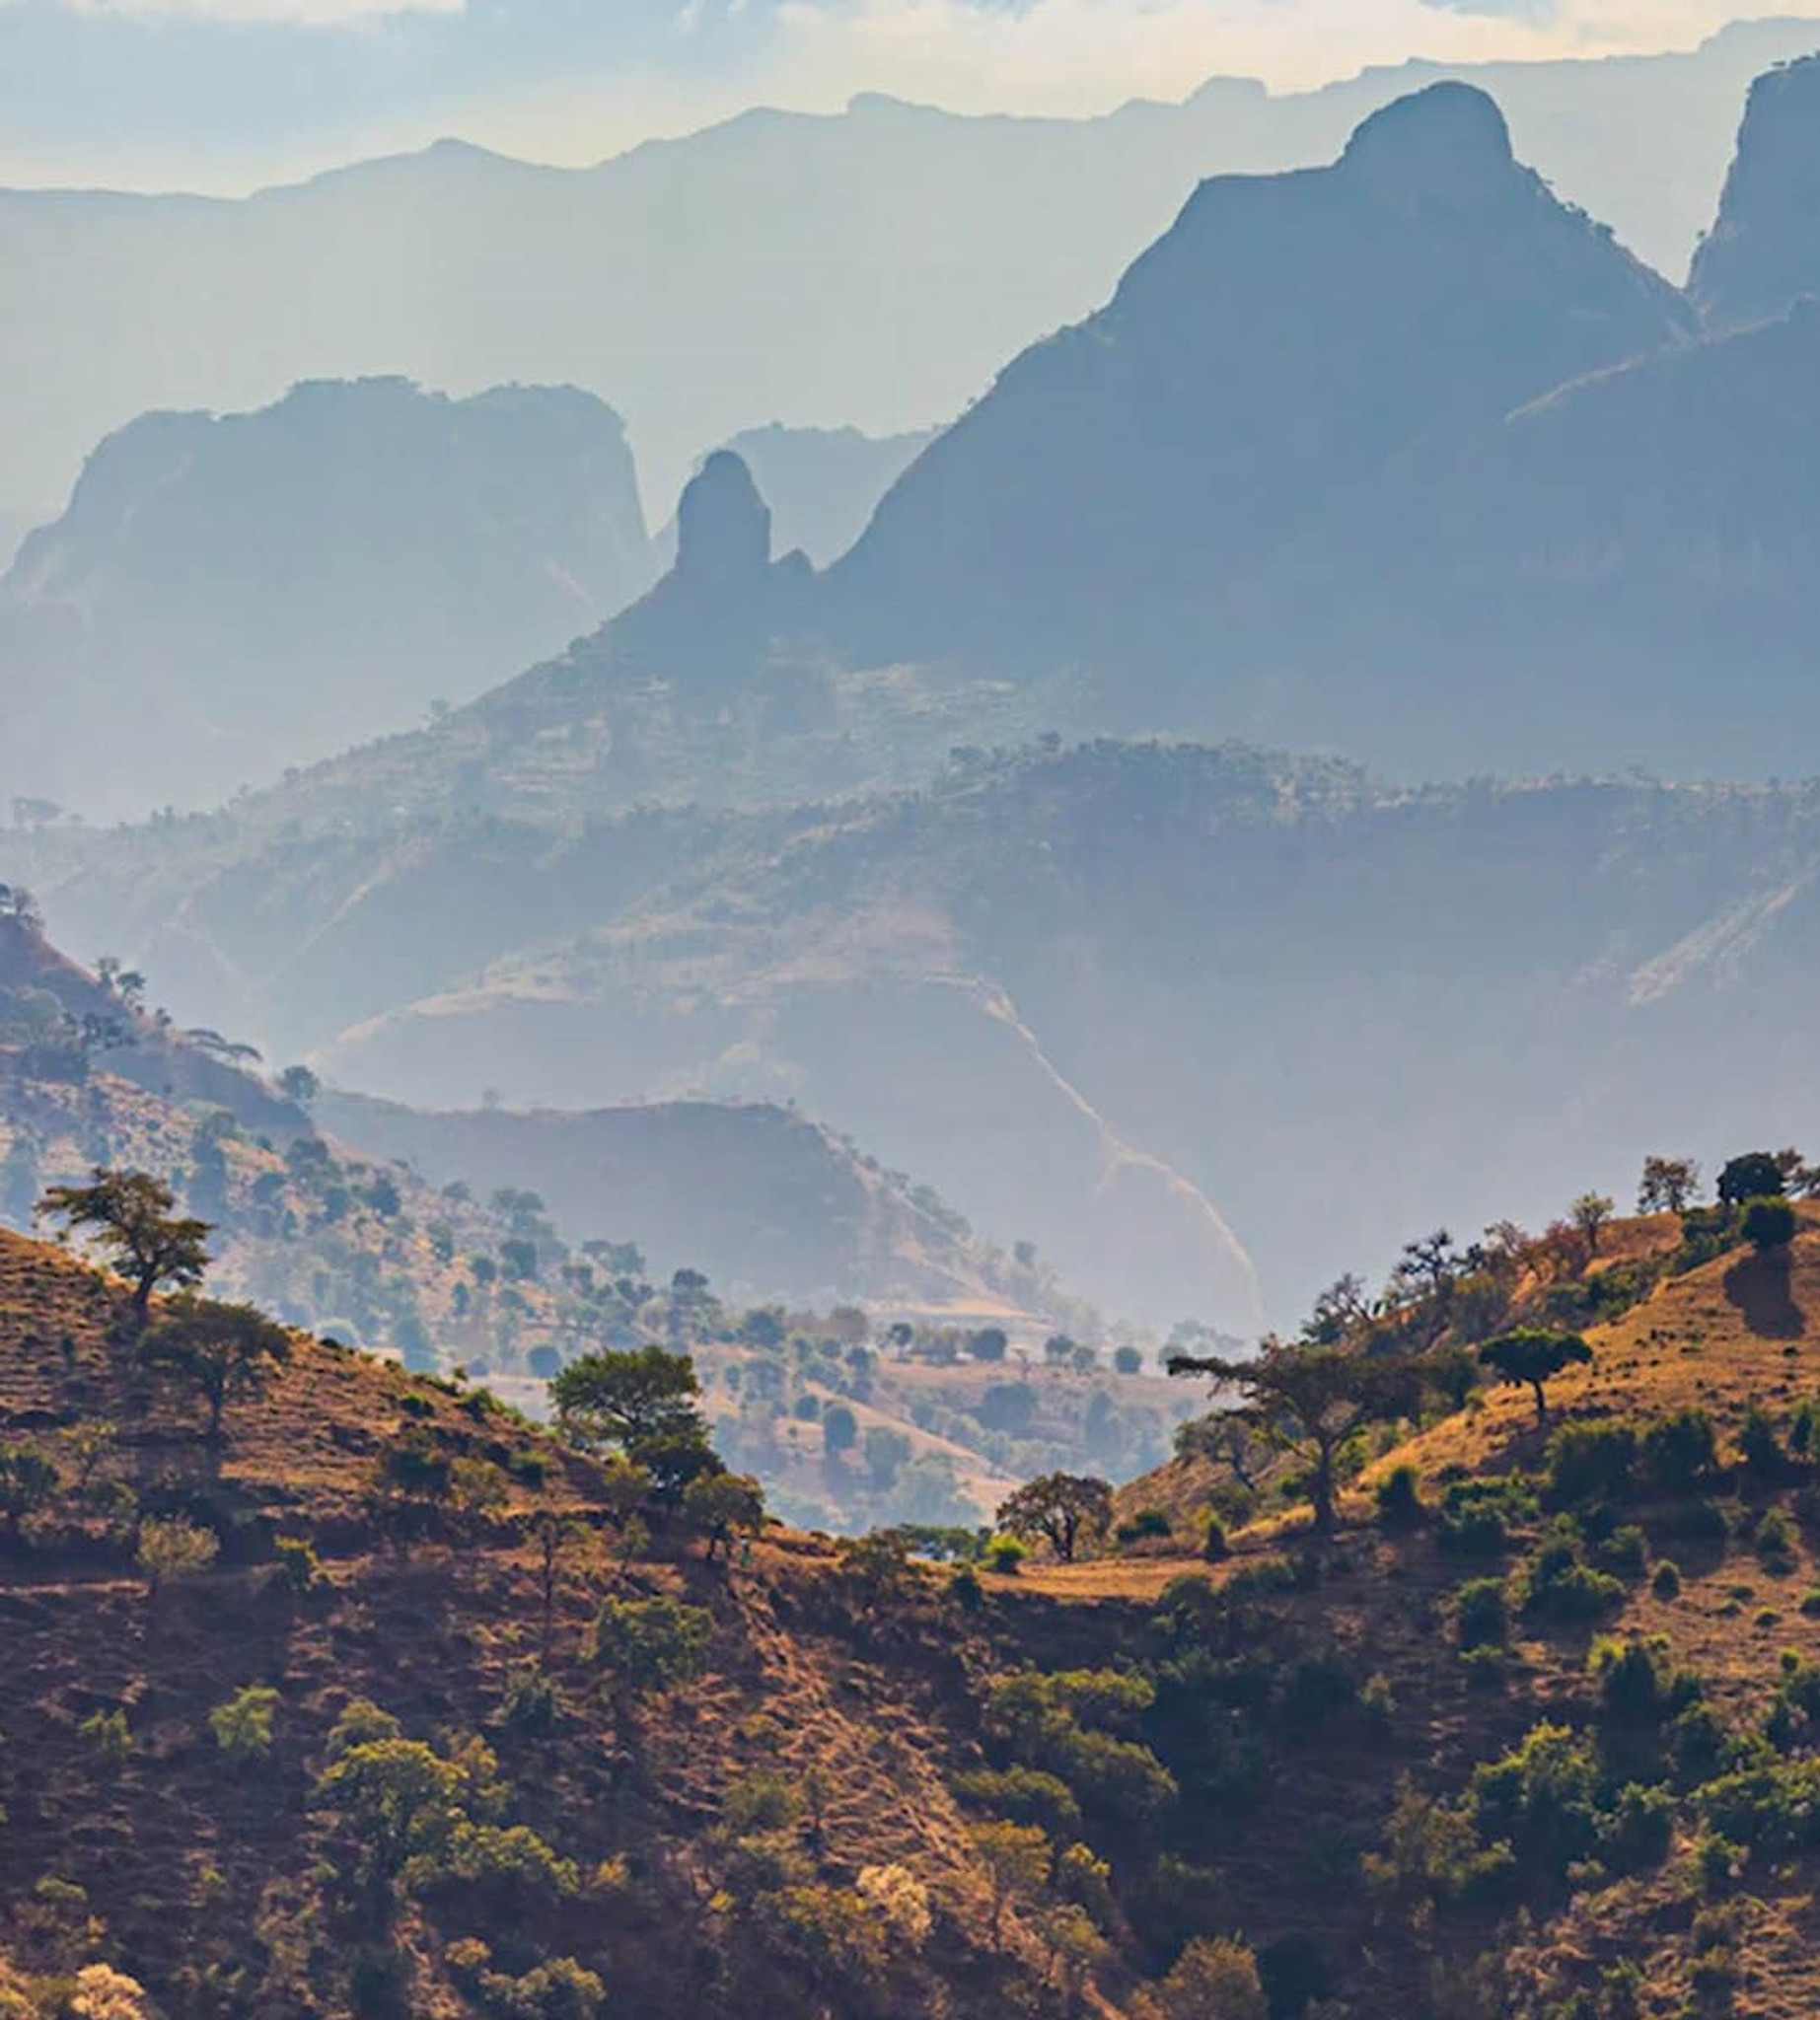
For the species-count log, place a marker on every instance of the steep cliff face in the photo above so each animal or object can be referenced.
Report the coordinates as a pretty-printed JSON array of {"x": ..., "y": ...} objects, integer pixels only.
[
  {"x": 229, "y": 595},
  {"x": 1256, "y": 368},
  {"x": 1763, "y": 254}
]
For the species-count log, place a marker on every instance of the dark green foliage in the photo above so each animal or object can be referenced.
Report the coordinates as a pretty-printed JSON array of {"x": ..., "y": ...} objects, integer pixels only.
[
  {"x": 1767, "y": 1224},
  {"x": 1559, "y": 1585},
  {"x": 1666, "y": 1583},
  {"x": 221, "y": 1352},
  {"x": 1679, "y": 1452},
  {"x": 1399, "y": 1498},
  {"x": 1531, "y": 1359},
  {"x": 1591, "y": 1463},
  {"x": 1759, "y": 1448},
  {"x": 1476, "y": 1516},
  {"x": 131, "y": 1217},
  {"x": 643, "y": 1645},
  {"x": 1065, "y": 1508},
  {"x": 1773, "y": 1808},
  {"x": 1756, "y": 1175},
  {"x": 641, "y": 1403},
  {"x": 1025, "y": 1795},
  {"x": 1480, "y": 1612}
]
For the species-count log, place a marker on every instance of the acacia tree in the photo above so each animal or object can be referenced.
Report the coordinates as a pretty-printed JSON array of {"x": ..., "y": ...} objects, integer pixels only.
[
  {"x": 1533, "y": 1357},
  {"x": 721, "y": 1504},
  {"x": 222, "y": 1351},
  {"x": 1668, "y": 1185},
  {"x": 1059, "y": 1506},
  {"x": 131, "y": 1217},
  {"x": 641, "y": 1403},
  {"x": 1589, "y": 1214},
  {"x": 1309, "y": 1400},
  {"x": 1755, "y": 1175}
]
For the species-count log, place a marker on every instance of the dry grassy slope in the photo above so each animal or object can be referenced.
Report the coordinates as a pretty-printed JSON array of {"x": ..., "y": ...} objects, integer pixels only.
[
  {"x": 195, "y": 1866},
  {"x": 1742, "y": 1331}
]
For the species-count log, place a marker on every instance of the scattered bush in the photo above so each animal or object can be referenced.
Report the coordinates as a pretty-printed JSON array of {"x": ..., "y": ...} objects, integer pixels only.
[
  {"x": 1399, "y": 1498},
  {"x": 1559, "y": 1585},
  {"x": 1480, "y": 1614},
  {"x": 1666, "y": 1584},
  {"x": 1591, "y": 1463},
  {"x": 242, "y": 1723}
]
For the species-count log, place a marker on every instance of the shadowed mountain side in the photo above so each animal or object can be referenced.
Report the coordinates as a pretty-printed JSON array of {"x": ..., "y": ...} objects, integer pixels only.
[
  {"x": 1256, "y": 371},
  {"x": 936, "y": 1072},
  {"x": 1567, "y": 586},
  {"x": 765, "y": 1201},
  {"x": 1764, "y": 252},
  {"x": 688, "y": 281},
  {"x": 230, "y": 595}
]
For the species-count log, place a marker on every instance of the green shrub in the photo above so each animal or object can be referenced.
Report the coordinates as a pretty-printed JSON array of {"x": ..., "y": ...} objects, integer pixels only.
[
  {"x": 242, "y": 1723},
  {"x": 1481, "y": 1614},
  {"x": 1591, "y": 1463},
  {"x": 1399, "y": 1498},
  {"x": 1476, "y": 1516},
  {"x": 109, "y": 1734},
  {"x": 1680, "y": 1452},
  {"x": 1146, "y": 1525},
  {"x": 1625, "y": 1551},
  {"x": 297, "y": 1561},
  {"x": 1772, "y": 1809},
  {"x": 1558, "y": 1584},
  {"x": 531, "y": 1702},
  {"x": 1773, "y": 1543},
  {"x": 1666, "y": 1584},
  {"x": 1639, "y": 1684},
  {"x": 1767, "y": 1224},
  {"x": 1005, "y": 1554},
  {"x": 1759, "y": 1448}
]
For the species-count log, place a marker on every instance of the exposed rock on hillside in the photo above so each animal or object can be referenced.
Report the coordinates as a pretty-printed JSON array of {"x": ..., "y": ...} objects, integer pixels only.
[{"x": 1764, "y": 252}]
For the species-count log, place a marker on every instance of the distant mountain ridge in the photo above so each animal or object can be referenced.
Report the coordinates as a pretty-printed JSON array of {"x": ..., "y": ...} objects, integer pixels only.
[
  {"x": 228, "y": 594},
  {"x": 465, "y": 270}
]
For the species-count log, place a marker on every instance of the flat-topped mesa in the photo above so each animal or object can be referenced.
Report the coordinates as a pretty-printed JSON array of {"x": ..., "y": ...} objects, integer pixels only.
[{"x": 1763, "y": 254}]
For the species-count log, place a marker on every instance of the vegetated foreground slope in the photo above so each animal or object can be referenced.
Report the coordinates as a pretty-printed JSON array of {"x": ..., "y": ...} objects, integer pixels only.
[
  {"x": 1527, "y": 1737},
  {"x": 863, "y": 1354}
]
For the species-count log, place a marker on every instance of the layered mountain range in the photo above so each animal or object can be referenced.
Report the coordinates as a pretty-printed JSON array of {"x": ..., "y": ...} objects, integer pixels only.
[
  {"x": 1399, "y": 456},
  {"x": 688, "y": 281}
]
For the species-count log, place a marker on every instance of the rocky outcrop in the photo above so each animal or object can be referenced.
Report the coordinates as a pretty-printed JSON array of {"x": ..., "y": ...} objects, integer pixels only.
[
  {"x": 1763, "y": 254},
  {"x": 229, "y": 595}
]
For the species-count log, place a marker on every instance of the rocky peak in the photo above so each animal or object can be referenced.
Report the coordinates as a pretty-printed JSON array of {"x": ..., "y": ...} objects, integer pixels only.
[
  {"x": 1763, "y": 254},
  {"x": 723, "y": 525},
  {"x": 1449, "y": 139}
]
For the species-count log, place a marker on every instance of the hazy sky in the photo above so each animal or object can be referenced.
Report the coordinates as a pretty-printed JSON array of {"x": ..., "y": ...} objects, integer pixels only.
[{"x": 225, "y": 94}]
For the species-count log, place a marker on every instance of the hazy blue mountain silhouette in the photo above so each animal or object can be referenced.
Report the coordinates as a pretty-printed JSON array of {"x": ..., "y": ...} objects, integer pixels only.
[
  {"x": 229, "y": 595},
  {"x": 1763, "y": 254},
  {"x": 870, "y": 267},
  {"x": 1258, "y": 369}
]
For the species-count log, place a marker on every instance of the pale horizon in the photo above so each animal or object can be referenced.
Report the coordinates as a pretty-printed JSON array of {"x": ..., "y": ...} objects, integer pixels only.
[{"x": 103, "y": 97}]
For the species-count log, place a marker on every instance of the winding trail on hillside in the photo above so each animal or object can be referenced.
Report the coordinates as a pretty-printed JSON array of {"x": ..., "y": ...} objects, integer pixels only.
[{"x": 1117, "y": 1153}]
